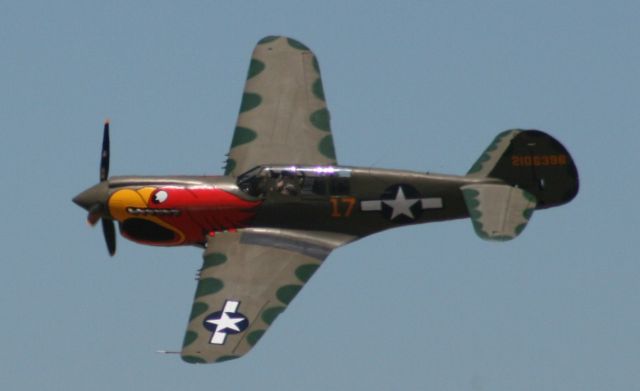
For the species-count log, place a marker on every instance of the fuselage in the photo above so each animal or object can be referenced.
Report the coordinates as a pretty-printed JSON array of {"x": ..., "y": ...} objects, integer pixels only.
[{"x": 184, "y": 210}]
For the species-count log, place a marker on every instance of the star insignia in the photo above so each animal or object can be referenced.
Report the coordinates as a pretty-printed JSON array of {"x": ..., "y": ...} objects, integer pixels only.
[
  {"x": 225, "y": 322},
  {"x": 401, "y": 203}
]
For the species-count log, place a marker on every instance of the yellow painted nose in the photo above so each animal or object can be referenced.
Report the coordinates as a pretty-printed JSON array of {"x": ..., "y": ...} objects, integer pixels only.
[{"x": 123, "y": 199}]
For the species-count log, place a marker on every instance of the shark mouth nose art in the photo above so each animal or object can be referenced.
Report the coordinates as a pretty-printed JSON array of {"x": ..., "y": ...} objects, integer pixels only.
[{"x": 152, "y": 212}]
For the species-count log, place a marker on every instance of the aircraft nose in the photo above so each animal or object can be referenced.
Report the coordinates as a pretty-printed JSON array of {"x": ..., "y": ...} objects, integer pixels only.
[{"x": 95, "y": 195}]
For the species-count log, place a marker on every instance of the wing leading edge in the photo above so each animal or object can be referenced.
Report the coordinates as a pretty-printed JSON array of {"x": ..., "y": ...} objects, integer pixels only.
[
  {"x": 283, "y": 115},
  {"x": 247, "y": 279}
]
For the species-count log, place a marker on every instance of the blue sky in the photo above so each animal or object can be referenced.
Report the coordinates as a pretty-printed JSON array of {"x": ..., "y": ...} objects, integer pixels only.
[{"x": 417, "y": 85}]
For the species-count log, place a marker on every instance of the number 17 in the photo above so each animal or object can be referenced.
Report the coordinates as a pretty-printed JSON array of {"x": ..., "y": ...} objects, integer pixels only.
[{"x": 338, "y": 209}]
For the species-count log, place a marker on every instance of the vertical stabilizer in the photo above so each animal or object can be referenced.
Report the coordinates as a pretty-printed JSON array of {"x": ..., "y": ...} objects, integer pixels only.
[{"x": 533, "y": 161}]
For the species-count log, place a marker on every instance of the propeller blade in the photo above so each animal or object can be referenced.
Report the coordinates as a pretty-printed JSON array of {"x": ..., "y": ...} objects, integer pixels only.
[
  {"x": 104, "y": 161},
  {"x": 109, "y": 231},
  {"x": 93, "y": 217}
]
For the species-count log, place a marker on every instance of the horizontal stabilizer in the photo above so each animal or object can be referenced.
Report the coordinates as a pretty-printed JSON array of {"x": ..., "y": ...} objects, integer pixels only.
[{"x": 498, "y": 212}]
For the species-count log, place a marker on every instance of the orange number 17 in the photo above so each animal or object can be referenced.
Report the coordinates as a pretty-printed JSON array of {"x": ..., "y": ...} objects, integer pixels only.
[{"x": 338, "y": 208}]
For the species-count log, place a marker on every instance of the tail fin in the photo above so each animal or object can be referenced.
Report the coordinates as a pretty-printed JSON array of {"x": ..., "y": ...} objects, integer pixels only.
[
  {"x": 533, "y": 161},
  {"x": 537, "y": 172}
]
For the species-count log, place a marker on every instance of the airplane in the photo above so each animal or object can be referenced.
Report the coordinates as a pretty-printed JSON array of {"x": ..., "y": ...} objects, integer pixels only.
[{"x": 284, "y": 203}]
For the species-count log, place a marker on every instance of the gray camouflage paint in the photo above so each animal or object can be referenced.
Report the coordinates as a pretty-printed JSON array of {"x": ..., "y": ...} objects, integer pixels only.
[{"x": 283, "y": 114}]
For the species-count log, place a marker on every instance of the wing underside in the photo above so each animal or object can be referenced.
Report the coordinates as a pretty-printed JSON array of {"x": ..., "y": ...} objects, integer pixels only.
[
  {"x": 247, "y": 279},
  {"x": 283, "y": 115}
]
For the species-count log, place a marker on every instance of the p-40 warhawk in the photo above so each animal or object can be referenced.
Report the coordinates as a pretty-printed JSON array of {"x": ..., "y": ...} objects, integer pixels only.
[{"x": 284, "y": 203}]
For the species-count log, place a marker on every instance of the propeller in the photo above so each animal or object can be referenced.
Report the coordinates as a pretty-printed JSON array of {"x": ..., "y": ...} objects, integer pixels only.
[
  {"x": 108, "y": 228},
  {"x": 94, "y": 199},
  {"x": 104, "y": 156},
  {"x": 109, "y": 231}
]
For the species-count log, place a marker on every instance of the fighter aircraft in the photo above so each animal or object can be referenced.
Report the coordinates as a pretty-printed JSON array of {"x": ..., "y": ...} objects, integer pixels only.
[{"x": 284, "y": 203}]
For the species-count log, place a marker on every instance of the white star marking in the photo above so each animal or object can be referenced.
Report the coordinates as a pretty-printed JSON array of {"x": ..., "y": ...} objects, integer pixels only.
[
  {"x": 226, "y": 322},
  {"x": 401, "y": 205}
]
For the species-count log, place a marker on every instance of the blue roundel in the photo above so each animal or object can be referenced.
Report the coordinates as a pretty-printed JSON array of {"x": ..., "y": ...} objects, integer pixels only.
[{"x": 226, "y": 322}]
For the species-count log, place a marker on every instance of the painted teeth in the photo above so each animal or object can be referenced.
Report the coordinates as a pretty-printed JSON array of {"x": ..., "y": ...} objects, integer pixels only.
[{"x": 153, "y": 212}]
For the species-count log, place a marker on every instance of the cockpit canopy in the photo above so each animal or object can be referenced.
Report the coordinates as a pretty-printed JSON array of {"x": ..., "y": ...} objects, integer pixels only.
[{"x": 295, "y": 180}]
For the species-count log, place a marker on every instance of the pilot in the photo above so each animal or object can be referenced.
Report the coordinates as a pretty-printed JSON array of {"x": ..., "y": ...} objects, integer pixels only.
[{"x": 287, "y": 184}]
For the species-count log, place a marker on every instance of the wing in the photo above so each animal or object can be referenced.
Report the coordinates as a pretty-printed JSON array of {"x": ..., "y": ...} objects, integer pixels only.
[
  {"x": 248, "y": 278},
  {"x": 283, "y": 115}
]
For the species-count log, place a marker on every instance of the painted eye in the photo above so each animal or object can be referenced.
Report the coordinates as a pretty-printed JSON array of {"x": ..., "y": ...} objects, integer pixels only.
[{"x": 160, "y": 197}]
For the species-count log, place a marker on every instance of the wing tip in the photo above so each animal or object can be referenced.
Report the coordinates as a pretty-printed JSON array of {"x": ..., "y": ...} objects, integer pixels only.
[
  {"x": 290, "y": 42},
  {"x": 192, "y": 359}
]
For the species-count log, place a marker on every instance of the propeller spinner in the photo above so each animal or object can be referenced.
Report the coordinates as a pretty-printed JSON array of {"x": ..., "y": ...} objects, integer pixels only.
[{"x": 95, "y": 198}]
